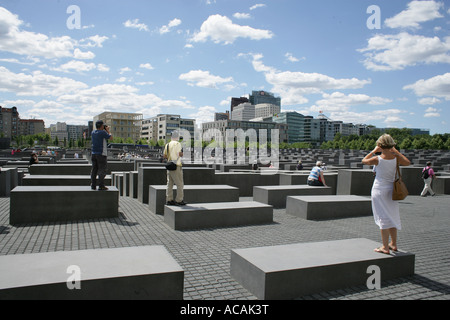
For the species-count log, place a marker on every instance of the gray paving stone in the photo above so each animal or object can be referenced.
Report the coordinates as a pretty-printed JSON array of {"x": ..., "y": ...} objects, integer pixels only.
[{"x": 204, "y": 254}]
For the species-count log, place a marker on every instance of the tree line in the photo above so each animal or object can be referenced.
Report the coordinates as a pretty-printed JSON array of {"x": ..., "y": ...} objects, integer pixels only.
[{"x": 403, "y": 138}]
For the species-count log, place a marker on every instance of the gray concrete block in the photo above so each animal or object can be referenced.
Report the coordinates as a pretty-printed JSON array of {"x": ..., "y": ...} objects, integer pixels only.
[
  {"x": 355, "y": 182},
  {"x": 301, "y": 178},
  {"x": 37, "y": 204},
  {"x": 441, "y": 185},
  {"x": 216, "y": 215},
  {"x": 147, "y": 272},
  {"x": 295, "y": 270},
  {"x": 328, "y": 207},
  {"x": 245, "y": 181},
  {"x": 412, "y": 177},
  {"x": 192, "y": 194},
  {"x": 60, "y": 169},
  {"x": 158, "y": 176},
  {"x": 133, "y": 186},
  {"x": 5, "y": 183},
  {"x": 276, "y": 195},
  {"x": 60, "y": 180}
]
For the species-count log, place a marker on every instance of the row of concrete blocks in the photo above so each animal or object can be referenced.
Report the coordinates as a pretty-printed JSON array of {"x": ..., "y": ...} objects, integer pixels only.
[
  {"x": 343, "y": 181},
  {"x": 209, "y": 205},
  {"x": 150, "y": 272}
]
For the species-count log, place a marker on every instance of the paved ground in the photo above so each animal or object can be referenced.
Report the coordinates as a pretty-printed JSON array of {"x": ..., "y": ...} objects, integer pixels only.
[{"x": 205, "y": 254}]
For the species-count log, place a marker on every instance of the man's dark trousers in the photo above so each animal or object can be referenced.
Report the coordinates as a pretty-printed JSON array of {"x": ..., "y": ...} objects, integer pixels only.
[{"x": 99, "y": 164}]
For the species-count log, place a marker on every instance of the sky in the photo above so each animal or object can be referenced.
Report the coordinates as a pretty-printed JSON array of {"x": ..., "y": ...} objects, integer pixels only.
[{"x": 376, "y": 62}]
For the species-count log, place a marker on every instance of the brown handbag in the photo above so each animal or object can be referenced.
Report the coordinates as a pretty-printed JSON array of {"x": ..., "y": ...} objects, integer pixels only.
[{"x": 400, "y": 191}]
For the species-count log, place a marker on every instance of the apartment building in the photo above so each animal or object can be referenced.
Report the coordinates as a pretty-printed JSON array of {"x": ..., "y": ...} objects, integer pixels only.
[
  {"x": 122, "y": 125},
  {"x": 161, "y": 127}
]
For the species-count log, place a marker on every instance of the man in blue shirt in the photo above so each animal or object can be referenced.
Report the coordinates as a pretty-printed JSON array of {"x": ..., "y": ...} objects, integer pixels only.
[{"x": 100, "y": 139}]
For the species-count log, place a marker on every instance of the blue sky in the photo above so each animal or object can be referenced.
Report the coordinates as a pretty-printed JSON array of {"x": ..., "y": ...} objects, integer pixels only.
[{"x": 388, "y": 67}]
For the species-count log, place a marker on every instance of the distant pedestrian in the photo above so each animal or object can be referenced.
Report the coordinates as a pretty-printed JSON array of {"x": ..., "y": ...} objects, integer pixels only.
[
  {"x": 428, "y": 175},
  {"x": 173, "y": 151},
  {"x": 316, "y": 177},
  {"x": 299, "y": 165},
  {"x": 100, "y": 138}
]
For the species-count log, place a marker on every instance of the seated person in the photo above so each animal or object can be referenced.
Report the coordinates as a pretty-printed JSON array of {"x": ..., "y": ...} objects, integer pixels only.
[{"x": 316, "y": 177}]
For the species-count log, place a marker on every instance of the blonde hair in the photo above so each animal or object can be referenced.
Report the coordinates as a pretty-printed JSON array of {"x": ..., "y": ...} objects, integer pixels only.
[{"x": 386, "y": 142}]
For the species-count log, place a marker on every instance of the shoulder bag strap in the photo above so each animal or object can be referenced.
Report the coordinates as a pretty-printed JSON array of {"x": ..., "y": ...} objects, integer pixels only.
[{"x": 397, "y": 174}]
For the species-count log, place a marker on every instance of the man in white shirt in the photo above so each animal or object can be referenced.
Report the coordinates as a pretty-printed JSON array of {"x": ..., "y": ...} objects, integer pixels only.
[{"x": 173, "y": 151}]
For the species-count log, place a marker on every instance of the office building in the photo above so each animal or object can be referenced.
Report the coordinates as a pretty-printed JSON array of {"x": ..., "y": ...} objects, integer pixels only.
[
  {"x": 162, "y": 126},
  {"x": 222, "y": 116},
  {"x": 260, "y": 97},
  {"x": 9, "y": 122},
  {"x": 31, "y": 127},
  {"x": 237, "y": 101},
  {"x": 264, "y": 110},
  {"x": 122, "y": 125},
  {"x": 243, "y": 112},
  {"x": 222, "y": 126}
]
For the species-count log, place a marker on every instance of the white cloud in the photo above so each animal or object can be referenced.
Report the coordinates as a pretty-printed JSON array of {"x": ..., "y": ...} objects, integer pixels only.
[
  {"x": 432, "y": 113},
  {"x": 124, "y": 69},
  {"x": 204, "y": 114},
  {"x": 338, "y": 101},
  {"x": 393, "y": 119},
  {"x": 36, "y": 84},
  {"x": 389, "y": 116},
  {"x": 203, "y": 79},
  {"x": 147, "y": 66},
  {"x": 396, "y": 52},
  {"x": 172, "y": 24},
  {"x": 221, "y": 29},
  {"x": 291, "y": 58},
  {"x": 256, "y": 6},
  {"x": 136, "y": 25},
  {"x": 74, "y": 65},
  {"x": 438, "y": 86},
  {"x": 102, "y": 67},
  {"x": 239, "y": 15},
  {"x": 78, "y": 54},
  {"x": 93, "y": 41},
  {"x": 293, "y": 86},
  {"x": 15, "y": 40},
  {"x": 429, "y": 101},
  {"x": 417, "y": 12}
]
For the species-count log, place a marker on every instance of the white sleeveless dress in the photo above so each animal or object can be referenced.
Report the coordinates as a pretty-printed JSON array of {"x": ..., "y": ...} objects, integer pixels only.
[{"x": 385, "y": 211}]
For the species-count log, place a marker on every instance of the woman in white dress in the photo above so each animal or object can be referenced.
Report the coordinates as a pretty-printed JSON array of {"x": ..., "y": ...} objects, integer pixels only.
[{"x": 385, "y": 210}]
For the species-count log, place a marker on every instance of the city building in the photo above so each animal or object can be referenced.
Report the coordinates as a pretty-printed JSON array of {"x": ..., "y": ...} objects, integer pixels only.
[
  {"x": 243, "y": 112},
  {"x": 296, "y": 125},
  {"x": 260, "y": 97},
  {"x": 31, "y": 127},
  {"x": 122, "y": 125},
  {"x": 75, "y": 132},
  {"x": 161, "y": 127},
  {"x": 237, "y": 101},
  {"x": 222, "y": 116},
  {"x": 9, "y": 122},
  {"x": 221, "y": 127},
  {"x": 59, "y": 130},
  {"x": 263, "y": 110}
]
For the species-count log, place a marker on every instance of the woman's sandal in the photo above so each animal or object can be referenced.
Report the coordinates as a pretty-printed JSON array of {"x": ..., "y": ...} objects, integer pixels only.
[
  {"x": 380, "y": 250},
  {"x": 393, "y": 248}
]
